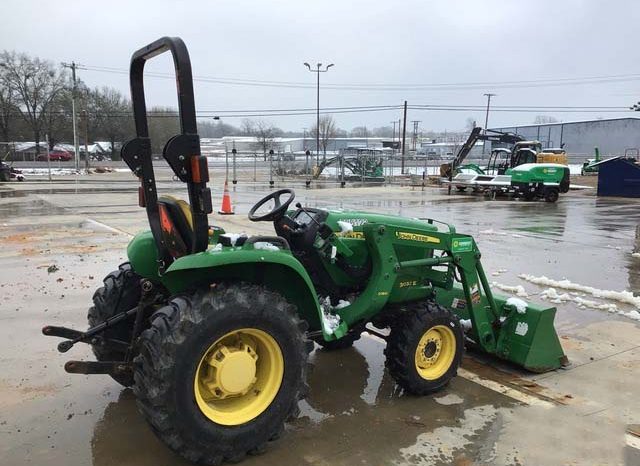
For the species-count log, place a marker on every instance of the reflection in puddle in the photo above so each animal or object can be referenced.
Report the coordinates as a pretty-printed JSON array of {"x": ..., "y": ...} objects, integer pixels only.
[{"x": 354, "y": 415}]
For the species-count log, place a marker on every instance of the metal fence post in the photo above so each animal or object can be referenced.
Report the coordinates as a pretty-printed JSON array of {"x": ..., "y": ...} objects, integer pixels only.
[
  {"x": 48, "y": 158},
  {"x": 255, "y": 166},
  {"x": 233, "y": 153},
  {"x": 306, "y": 168},
  {"x": 271, "y": 167}
]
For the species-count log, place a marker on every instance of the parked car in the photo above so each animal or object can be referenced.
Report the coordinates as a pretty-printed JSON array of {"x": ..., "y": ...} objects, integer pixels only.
[{"x": 57, "y": 155}]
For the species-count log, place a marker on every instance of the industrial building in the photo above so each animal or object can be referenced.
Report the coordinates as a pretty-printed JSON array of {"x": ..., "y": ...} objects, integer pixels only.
[{"x": 612, "y": 136}]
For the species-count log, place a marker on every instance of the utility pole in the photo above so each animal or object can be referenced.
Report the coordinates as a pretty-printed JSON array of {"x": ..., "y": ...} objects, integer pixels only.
[
  {"x": 486, "y": 118},
  {"x": 415, "y": 133},
  {"x": 404, "y": 136},
  {"x": 86, "y": 140},
  {"x": 74, "y": 95},
  {"x": 393, "y": 138},
  {"x": 318, "y": 71}
]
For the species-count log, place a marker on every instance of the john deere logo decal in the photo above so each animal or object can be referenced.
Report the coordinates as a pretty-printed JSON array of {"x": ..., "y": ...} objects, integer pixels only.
[
  {"x": 462, "y": 245},
  {"x": 416, "y": 237}
]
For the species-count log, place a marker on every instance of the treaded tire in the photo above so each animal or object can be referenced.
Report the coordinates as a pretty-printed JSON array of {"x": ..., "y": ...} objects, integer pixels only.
[
  {"x": 405, "y": 335},
  {"x": 172, "y": 348},
  {"x": 105, "y": 305},
  {"x": 345, "y": 342},
  {"x": 551, "y": 195}
]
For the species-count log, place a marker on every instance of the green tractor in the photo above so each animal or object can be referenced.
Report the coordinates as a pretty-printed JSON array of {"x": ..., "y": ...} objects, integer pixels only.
[{"x": 213, "y": 330}]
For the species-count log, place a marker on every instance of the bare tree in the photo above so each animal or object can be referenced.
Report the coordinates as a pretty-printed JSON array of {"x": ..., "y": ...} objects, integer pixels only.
[
  {"x": 8, "y": 100},
  {"x": 383, "y": 131},
  {"x": 247, "y": 127},
  {"x": 263, "y": 131},
  {"x": 109, "y": 110},
  {"x": 327, "y": 132},
  {"x": 36, "y": 83},
  {"x": 469, "y": 124},
  {"x": 359, "y": 132},
  {"x": 544, "y": 119}
]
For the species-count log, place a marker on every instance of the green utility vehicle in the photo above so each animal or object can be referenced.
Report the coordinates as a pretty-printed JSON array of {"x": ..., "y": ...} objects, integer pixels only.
[
  {"x": 213, "y": 330},
  {"x": 540, "y": 180}
]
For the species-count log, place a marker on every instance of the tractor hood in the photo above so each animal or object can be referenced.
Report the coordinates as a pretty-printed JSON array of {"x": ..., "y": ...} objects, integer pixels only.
[{"x": 337, "y": 218}]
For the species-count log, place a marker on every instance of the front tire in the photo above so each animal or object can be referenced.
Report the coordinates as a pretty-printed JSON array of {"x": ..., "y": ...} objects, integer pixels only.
[
  {"x": 425, "y": 347},
  {"x": 220, "y": 371},
  {"x": 120, "y": 292}
]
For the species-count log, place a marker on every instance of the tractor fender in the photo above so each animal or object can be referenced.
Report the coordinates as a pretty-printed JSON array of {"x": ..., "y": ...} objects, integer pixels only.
[{"x": 278, "y": 271}]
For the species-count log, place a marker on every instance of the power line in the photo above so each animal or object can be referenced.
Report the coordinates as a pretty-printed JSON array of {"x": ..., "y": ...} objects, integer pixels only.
[
  {"x": 365, "y": 109},
  {"x": 542, "y": 82}
]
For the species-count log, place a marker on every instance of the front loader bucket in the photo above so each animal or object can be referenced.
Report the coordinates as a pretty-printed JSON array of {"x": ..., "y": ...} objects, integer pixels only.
[{"x": 528, "y": 338}]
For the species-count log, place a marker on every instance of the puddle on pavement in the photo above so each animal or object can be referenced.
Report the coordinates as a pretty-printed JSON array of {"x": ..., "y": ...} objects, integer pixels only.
[
  {"x": 11, "y": 193},
  {"x": 29, "y": 207},
  {"x": 354, "y": 415}
]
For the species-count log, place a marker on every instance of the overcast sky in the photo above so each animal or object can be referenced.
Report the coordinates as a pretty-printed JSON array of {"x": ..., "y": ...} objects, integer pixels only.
[{"x": 385, "y": 43}]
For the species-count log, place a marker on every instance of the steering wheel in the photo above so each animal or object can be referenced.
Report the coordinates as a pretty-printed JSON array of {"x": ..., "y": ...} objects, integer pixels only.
[{"x": 279, "y": 207}]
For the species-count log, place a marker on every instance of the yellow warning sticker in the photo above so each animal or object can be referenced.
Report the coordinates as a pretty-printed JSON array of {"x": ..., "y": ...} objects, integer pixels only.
[{"x": 404, "y": 235}]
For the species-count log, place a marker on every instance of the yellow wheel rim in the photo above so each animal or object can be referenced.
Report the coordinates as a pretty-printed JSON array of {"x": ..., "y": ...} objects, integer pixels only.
[
  {"x": 239, "y": 376},
  {"x": 435, "y": 352}
]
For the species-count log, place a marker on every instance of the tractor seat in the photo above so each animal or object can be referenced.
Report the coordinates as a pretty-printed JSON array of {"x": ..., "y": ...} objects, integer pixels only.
[{"x": 177, "y": 225}]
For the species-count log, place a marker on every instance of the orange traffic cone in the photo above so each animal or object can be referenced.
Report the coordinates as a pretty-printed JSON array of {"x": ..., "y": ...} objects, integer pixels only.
[{"x": 226, "y": 202}]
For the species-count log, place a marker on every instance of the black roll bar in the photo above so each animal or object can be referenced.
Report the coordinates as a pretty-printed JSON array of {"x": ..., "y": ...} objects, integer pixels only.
[{"x": 182, "y": 152}]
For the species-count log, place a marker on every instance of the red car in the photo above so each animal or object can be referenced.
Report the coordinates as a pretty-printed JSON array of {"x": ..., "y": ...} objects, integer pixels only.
[{"x": 57, "y": 155}]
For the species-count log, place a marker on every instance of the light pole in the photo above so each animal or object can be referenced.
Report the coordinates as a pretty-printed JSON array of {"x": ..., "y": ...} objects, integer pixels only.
[
  {"x": 74, "y": 95},
  {"x": 486, "y": 117},
  {"x": 318, "y": 70}
]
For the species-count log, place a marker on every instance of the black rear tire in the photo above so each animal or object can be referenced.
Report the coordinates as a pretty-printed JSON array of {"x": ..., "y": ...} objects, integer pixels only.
[
  {"x": 171, "y": 351},
  {"x": 121, "y": 292},
  {"x": 551, "y": 194},
  {"x": 402, "y": 346}
]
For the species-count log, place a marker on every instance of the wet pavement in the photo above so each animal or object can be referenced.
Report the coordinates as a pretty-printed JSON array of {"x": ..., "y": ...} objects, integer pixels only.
[{"x": 492, "y": 413}]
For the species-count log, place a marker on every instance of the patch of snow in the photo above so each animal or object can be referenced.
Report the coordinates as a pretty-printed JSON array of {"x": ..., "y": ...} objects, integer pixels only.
[
  {"x": 342, "y": 303},
  {"x": 635, "y": 254},
  {"x": 54, "y": 171},
  {"x": 516, "y": 235},
  {"x": 217, "y": 247},
  {"x": 345, "y": 227},
  {"x": 625, "y": 297},
  {"x": 266, "y": 246},
  {"x": 465, "y": 324},
  {"x": 635, "y": 315},
  {"x": 551, "y": 294},
  {"x": 520, "y": 305},
  {"x": 330, "y": 322},
  {"x": 518, "y": 290}
]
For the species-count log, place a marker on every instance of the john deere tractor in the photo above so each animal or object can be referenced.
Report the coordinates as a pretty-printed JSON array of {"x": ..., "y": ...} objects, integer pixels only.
[{"x": 213, "y": 330}]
